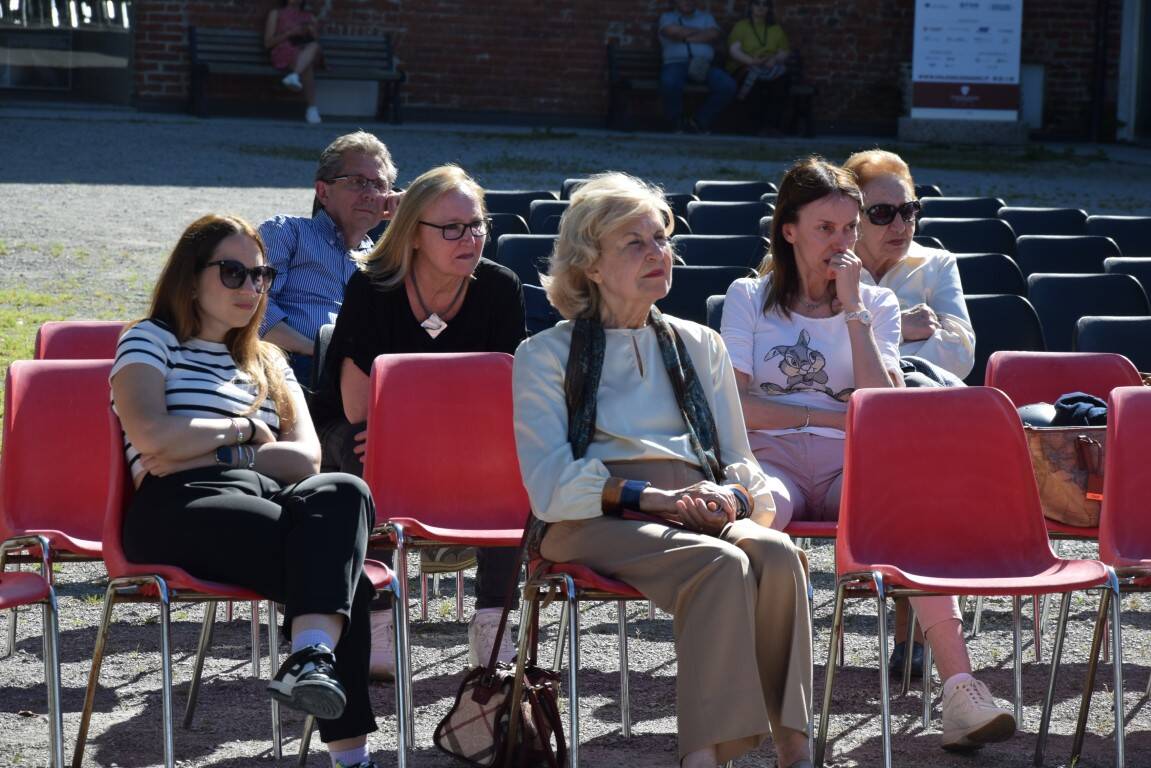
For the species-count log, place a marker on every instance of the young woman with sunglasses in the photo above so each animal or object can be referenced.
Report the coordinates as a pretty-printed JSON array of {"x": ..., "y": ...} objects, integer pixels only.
[
  {"x": 803, "y": 337},
  {"x": 934, "y": 319},
  {"x": 424, "y": 288},
  {"x": 224, "y": 458}
]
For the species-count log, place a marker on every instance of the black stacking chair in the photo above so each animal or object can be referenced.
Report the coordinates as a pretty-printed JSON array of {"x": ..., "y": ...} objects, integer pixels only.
[
  {"x": 503, "y": 224},
  {"x": 569, "y": 186},
  {"x": 514, "y": 201},
  {"x": 538, "y": 311},
  {"x": 1131, "y": 233},
  {"x": 989, "y": 273},
  {"x": 928, "y": 242},
  {"x": 720, "y": 250},
  {"x": 732, "y": 191},
  {"x": 1127, "y": 336},
  {"x": 691, "y": 287},
  {"x": 678, "y": 202},
  {"x": 765, "y": 227},
  {"x": 1001, "y": 321},
  {"x": 1060, "y": 300},
  {"x": 1140, "y": 269},
  {"x": 1045, "y": 221},
  {"x": 1070, "y": 254},
  {"x": 708, "y": 218},
  {"x": 927, "y": 190},
  {"x": 526, "y": 255},
  {"x": 715, "y": 311},
  {"x": 961, "y": 207},
  {"x": 539, "y": 213},
  {"x": 982, "y": 235},
  {"x": 769, "y": 197}
]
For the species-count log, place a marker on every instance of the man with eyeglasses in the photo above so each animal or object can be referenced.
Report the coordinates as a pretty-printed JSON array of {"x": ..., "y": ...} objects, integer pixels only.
[{"x": 315, "y": 257}]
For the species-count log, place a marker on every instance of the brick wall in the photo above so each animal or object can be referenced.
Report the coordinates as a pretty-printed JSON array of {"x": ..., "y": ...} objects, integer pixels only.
[{"x": 546, "y": 57}]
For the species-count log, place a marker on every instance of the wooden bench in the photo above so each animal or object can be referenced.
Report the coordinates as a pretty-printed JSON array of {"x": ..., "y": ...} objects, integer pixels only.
[
  {"x": 242, "y": 52},
  {"x": 638, "y": 69},
  {"x": 633, "y": 69}
]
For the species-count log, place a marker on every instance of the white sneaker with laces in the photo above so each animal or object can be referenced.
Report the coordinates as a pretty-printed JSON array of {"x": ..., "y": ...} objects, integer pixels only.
[
  {"x": 971, "y": 718},
  {"x": 382, "y": 665},
  {"x": 292, "y": 80},
  {"x": 313, "y": 116},
  {"x": 482, "y": 636}
]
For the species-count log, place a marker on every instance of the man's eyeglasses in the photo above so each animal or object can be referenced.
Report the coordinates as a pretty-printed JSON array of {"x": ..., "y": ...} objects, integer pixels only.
[
  {"x": 234, "y": 273},
  {"x": 363, "y": 184},
  {"x": 478, "y": 228},
  {"x": 882, "y": 214}
]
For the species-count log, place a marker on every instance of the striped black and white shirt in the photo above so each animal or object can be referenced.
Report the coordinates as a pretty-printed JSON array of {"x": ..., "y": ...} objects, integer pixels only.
[
  {"x": 312, "y": 267},
  {"x": 200, "y": 378}
]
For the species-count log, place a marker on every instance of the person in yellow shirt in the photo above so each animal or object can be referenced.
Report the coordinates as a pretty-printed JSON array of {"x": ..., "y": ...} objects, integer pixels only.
[{"x": 759, "y": 56}]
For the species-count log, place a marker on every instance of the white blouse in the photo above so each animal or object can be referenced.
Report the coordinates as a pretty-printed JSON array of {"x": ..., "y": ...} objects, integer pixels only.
[
  {"x": 931, "y": 276},
  {"x": 637, "y": 417}
]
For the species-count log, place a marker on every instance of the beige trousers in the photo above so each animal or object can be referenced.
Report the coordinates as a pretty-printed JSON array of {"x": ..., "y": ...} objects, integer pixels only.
[{"x": 739, "y": 602}]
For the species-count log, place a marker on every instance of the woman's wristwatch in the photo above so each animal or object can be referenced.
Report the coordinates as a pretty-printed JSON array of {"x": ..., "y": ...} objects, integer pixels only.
[{"x": 862, "y": 315}]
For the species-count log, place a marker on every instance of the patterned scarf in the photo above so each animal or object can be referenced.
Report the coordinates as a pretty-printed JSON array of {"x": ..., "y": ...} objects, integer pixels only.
[{"x": 581, "y": 383}]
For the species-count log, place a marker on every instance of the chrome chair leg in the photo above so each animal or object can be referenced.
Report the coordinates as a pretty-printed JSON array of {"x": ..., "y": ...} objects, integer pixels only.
[
  {"x": 166, "y": 671},
  {"x": 273, "y": 667},
  {"x": 1037, "y": 626},
  {"x": 561, "y": 638},
  {"x": 459, "y": 595},
  {"x": 201, "y": 651},
  {"x": 1017, "y": 611},
  {"x": 423, "y": 594},
  {"x": 255, "y": 632},
  {"x": 94, "y": 674},
  {"x": 401, "y": 621},
  {"x": 1117, "y": 660},
  {"x": 884, "y": 693},
  {"x": 51, "y": 633},
  {"x": 624, "y": 692},
  {"x": 927, "y": 659},
  {"x": 977, "y": 620},
  {"x": 1056, "y": 659},
  {"x": 306, "y": 741},
  {"x": 11, "y": 645},
  {"x": 909, "y": 650},
  {"x": 404, "y": 725},
  {"x": 651, "y": 617},
  {"x": 573, "y": 667},
  {"x": 829, "y": 681}
]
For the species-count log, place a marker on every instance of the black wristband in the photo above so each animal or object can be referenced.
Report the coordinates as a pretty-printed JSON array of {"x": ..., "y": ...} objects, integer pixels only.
[
  {"x": 251, "y": 429},
  {"x": 629, "y": 496}
]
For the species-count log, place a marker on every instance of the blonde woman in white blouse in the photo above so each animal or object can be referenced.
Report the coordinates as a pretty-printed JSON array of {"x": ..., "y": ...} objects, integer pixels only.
[
  {"x": 635, "y": 455},
  {"x": 933, "y": 314}
]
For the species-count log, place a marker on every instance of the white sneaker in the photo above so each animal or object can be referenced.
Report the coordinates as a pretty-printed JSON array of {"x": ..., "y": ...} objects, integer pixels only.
[
  {"x": 971, "y": 718},
  {"x": 292, "y": 80},
  {"x": 383, "y": 661},
  {"x": 482, "y": 636},
  {"x": 313, "y": 116}
]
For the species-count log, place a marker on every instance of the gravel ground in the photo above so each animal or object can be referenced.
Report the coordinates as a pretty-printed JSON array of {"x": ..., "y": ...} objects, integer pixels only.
[{"x": 92, "y": 202}]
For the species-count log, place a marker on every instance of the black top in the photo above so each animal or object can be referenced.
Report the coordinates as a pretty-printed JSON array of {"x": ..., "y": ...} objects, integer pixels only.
[{"x": 378, "y": 321}]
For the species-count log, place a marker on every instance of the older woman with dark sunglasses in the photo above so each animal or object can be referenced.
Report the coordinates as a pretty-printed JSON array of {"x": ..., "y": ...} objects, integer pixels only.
[
  {"x": 224, "y": 459},
  {"x": 424, "y": 288},
  {"x": 935, "y": 324}
]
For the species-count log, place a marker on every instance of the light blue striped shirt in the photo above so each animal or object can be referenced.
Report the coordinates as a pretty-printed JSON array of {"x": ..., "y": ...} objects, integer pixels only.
[{"x": 312, "y": 268}]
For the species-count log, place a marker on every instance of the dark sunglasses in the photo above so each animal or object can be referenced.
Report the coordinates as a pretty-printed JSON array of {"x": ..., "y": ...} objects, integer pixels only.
[
  {"x": 882, "y": 214},
  {"x": 234, "y": 273}
]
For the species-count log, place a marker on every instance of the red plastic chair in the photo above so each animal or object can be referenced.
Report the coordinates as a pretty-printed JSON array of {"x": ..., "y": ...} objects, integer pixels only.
[
  {"x": 165, "y": 584},
  {"x": 19, "y": 588},
  {"x": 441, "y": 460},
  {"x": 1124, "y": 522},
  {"x": 1042, "y": 377},
  {"x": 78, "y": 339},
  {"x": 54, "y": 413},
  {"x": 975, "y": 479}
]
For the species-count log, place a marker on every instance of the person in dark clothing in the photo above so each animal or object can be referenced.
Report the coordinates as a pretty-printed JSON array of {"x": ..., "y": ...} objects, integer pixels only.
[{"x": 424, "y": 288}]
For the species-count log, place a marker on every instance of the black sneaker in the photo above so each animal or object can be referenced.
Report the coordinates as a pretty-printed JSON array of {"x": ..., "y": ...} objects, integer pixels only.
[
  {"x": 307, "y": 682},
  {"x": 899, "y": 658}
]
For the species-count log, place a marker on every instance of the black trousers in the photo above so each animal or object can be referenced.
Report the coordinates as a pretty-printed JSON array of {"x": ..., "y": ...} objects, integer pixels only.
[
  {"x": 301, "y": 545},
  {"x": 495, "y": 566}
]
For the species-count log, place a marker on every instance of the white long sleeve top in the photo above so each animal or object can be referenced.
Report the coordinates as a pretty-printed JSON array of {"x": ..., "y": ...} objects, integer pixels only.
[{"x": 637, "y": 417}]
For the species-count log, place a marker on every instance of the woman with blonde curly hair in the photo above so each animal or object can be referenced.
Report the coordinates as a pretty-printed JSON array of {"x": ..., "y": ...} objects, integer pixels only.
[
  {"x": 636, "y": 460},
  {"x": 222, "y": 450}
]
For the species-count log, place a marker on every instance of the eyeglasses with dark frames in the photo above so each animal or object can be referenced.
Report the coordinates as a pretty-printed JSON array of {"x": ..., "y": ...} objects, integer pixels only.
[
  {"x": 882, "y": 214},
  {"x": 362, "y": 184},
  {"x": 233, "y": 274},
  {"x": 478, "y": 228}
]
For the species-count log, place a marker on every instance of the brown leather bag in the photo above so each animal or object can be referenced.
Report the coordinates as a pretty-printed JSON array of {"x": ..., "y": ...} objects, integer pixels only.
[{"x": 1068, "y": 464}]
